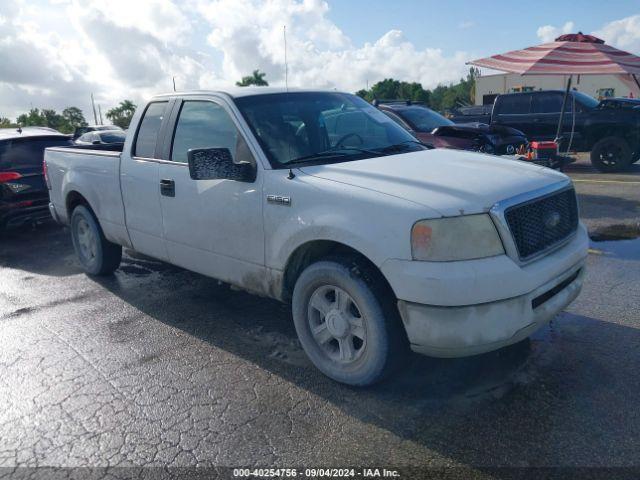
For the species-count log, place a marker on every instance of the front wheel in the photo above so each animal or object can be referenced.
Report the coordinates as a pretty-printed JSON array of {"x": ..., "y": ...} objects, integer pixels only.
[
  {"x": 97, "y": 255},
  {"x": 611, "y": 154},
  {"x": 345, "y": 322}
]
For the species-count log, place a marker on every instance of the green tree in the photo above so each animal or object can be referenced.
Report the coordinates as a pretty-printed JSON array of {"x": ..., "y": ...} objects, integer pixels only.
[
  {"x": 74, "y": 117},
  {"x": 122, "y": 114},
  {"x": 71, "y": 118},
  {"x": 441, "y": 98},
  {"x": 391, "y": 89},
  {"x": 54, "y": 120},
  {"x": 6, "y": 123},
  {"x": 32, "y": 119},
  {"x": 256, "y": 78}
]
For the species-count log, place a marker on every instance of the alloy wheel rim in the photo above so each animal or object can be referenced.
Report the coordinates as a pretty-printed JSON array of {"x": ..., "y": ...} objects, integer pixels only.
[
  {"x": 86, "y": 240},
  {"x": 337, "y": 324},
  {"x": 611, "y": 154}
]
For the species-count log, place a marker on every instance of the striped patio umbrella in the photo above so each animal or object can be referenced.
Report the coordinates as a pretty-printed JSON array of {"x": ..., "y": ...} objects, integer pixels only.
[{"x": 571, "y": 54}]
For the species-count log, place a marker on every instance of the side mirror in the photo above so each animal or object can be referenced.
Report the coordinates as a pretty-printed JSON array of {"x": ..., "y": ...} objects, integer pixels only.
[{"x": 218, "y": 164}]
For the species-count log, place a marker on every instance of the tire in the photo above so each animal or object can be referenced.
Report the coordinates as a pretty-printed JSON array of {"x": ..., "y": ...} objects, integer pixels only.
[
  {"x": 97, "y": 255},
  {"x": 359, "y": 338},
  {"x": 611, "y": 154}
]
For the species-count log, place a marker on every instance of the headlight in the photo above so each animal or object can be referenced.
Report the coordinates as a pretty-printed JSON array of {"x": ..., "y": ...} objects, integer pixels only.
[{"x": 455, "y": 238}]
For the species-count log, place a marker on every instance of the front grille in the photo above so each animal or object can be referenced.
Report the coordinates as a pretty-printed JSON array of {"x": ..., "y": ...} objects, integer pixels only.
[{"x": 541, "y": 223}]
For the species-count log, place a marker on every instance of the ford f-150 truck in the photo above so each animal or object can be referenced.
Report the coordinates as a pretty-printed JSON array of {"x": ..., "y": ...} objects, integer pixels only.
[
  {"x": 317, "y": 198},
  {"x": 610, "y": 129}
]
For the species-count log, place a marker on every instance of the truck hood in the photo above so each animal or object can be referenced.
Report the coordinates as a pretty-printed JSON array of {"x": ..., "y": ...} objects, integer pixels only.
[{"x": 452, "y": 182}]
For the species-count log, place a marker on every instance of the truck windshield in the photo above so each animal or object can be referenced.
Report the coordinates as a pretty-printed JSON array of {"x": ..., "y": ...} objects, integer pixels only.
[
  {"x": 586, "y": 100},
  {"x": 321, "y": 127}
]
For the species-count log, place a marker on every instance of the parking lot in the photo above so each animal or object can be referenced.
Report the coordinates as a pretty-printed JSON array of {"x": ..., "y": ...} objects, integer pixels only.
[{"x": 157, "y": 366}]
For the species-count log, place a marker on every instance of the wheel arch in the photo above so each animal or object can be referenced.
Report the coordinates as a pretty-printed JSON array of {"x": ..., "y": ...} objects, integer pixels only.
[
  {"x": 73, "y": 199},
  {"x": 316, "y": 250},
  {"x": 624, "y": 132}
]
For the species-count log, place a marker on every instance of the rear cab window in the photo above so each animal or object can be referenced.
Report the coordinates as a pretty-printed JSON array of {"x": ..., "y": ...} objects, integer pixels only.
[{"x": 147, "y": 136}]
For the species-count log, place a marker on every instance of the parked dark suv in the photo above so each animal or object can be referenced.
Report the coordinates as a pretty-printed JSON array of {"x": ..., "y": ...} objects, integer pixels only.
[{"x": 24, "y": 197}]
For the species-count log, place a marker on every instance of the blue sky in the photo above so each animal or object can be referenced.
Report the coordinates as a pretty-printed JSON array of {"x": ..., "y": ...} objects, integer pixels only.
[
  {"x": 484, "y": 27},
  {"x": 55, "y": 53}
]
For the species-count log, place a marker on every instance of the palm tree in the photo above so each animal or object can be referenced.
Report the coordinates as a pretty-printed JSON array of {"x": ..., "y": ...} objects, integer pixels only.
[
  {"x": 256, "y": 78},
  {"x": 122, "y": 114}
]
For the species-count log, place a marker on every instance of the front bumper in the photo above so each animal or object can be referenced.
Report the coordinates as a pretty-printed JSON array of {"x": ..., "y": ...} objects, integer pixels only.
[
  {"x": 452, "y": 309},
  {"x": 474, "y": 329}
]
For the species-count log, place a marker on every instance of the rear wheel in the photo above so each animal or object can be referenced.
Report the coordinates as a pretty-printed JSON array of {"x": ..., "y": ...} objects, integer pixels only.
[
  {"x": 97, "y": 255},
  {"x": 611, "y": 154},
  {"x": 346, "y": 323}
]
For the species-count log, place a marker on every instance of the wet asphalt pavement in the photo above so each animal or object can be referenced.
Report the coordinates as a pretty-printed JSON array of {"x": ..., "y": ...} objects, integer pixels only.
[{"x": 157, "y": 366}]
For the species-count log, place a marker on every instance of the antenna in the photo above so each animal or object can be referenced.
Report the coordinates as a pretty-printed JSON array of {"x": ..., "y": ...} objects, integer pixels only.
[
  {"x": 286, "y": 68},
  {"x": 174, "y": 83},
  {"x": 291, "y": 175},
  {"x": 93, "y": 104}
]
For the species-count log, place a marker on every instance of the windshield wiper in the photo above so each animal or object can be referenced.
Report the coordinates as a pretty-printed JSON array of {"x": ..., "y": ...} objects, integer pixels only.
[
  {"x": 341, "y": 152},
  {"x": 403, "y": 146}
]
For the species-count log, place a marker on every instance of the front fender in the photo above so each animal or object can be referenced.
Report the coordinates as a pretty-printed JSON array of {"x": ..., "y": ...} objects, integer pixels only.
[{"x": 374, "y": 224}]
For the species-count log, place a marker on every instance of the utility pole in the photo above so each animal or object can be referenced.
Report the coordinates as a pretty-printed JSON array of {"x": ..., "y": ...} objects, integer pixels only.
[
  {"x": 100, "y": 112},
  {"x": 174, "y": 84},
  {"x": 93, "y": 104}
]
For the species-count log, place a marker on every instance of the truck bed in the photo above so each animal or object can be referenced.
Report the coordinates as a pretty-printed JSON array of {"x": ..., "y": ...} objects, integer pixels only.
[{"x": 96, "y": 173}]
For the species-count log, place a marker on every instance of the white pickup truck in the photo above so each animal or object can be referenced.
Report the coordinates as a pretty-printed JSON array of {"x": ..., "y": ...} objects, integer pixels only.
[{"x": 316, "y": 198}]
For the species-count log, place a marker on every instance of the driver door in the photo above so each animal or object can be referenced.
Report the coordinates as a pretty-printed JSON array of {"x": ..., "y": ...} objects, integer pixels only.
[{"x": 214, "y": 227}]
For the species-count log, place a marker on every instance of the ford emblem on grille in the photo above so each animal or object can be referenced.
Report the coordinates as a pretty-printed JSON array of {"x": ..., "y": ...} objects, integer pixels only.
[{"x": 551, "y": 219}]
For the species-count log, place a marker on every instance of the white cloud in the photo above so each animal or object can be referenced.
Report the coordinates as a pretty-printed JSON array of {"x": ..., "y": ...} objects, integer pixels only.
[
  {"x": 250, "y": 35},
  {"x": 57, "y": 55},
  {"x": 161, "y": 19},
  {"x": 624, "y": 33},
  {"x": 54, "y": 54},
  {"x": 548, "y": 33}
]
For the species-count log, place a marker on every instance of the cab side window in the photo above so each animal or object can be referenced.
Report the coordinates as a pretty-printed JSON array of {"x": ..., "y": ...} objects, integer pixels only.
[
  {"x": 516, "y": 104},
  {"x": 550, "y": 103},
  {"x": 204, "y": 124},
  {"x": 147, "y": 137}
]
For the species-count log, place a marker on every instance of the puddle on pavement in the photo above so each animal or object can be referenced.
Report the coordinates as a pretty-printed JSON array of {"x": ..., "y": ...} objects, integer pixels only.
[
  {"x": 623, "y": 249},
  {"x": 619, "y": 241}
]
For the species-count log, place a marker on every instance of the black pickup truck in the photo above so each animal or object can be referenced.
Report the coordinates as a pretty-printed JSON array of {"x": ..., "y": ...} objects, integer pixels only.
[{"x": 610, "y": 129}]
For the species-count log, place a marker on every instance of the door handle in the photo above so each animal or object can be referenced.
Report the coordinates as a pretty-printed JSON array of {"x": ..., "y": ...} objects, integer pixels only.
[{"x": 168, "y": 187}]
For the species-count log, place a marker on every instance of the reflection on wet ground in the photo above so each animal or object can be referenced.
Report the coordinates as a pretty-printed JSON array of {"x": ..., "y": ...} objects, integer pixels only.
[{"x": 623, "y": 249}]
